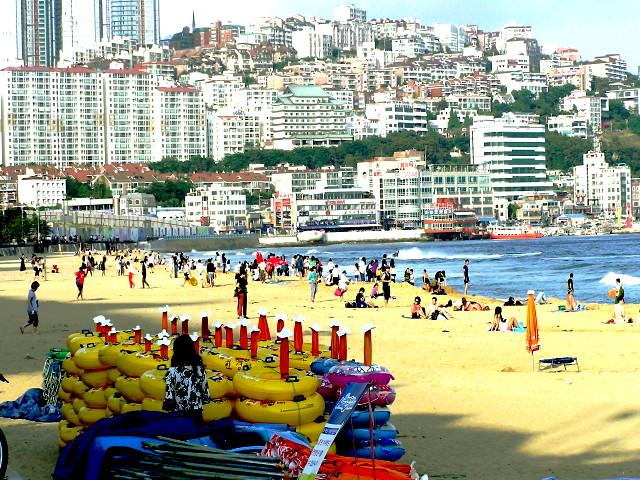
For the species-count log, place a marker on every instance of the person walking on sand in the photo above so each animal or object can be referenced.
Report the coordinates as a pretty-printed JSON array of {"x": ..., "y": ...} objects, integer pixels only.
[
  {"x": 143, "y": 271},
  {"x": 312, "y": 278},
  {"x": 103, "y": 265},
  {"x": 23, "y": 267},
  {"x": 80, "y": 276},
  {"x": 33, "y": 306},
  {"x": 465, "y": 275},
  {"x": 132, "y": 271},
  {"x": 571, "y": 302}
]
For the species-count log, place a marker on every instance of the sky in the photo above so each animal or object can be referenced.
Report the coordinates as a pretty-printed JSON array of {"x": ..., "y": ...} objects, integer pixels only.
[{"x": 593, "y": 26}]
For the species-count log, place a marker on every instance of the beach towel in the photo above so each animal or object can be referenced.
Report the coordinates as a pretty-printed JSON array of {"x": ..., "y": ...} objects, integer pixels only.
[{"x": 31, "y": 406}]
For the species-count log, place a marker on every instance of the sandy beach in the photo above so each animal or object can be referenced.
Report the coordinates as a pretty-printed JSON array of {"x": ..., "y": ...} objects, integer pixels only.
[{"x": 469, "y": 405}]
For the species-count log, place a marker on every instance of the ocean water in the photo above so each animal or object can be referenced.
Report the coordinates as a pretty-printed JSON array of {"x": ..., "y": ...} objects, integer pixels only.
[{"x": 500, "y": 269}]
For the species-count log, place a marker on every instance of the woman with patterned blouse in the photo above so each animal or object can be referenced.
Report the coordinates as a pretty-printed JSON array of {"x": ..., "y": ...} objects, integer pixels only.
[{"x": 187, "y": 389}]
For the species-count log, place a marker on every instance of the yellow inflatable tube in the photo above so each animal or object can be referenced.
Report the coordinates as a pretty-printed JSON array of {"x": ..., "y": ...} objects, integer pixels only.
[
  {"x": 217, "y": 409},
  {"x": 231, "y": 362},
  {"x": 87, "y": 357},
  {"x": 69, "y": 413},
  {"x": 63, "y": 395},
  {"x": 79, "y": 387},
  {"x": 68, "y": 382},
  {"x": 264, "y": 383},
  {"x": 75, "y": 341},
  {"x": 115, "y": 403},
  {"x": 129, "y": 387},
  {"x": 95, "y": 398},
  {"x": 108, "y": 354},
  {"x": 152, "y": 405},
  {"x": 291, "y": 413},
  {"x": 89, "y": 416},
  {"x": 131, "y": 407},
  {"x": 70, "y": 367},
  {"x": 96, "y": 378},
  {"x": 68, "y": 431},
  {"x": 133, "y": 364}
]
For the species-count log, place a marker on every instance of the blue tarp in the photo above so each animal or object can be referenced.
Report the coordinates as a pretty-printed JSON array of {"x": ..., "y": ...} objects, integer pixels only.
[{"x": 30, "y": 406}]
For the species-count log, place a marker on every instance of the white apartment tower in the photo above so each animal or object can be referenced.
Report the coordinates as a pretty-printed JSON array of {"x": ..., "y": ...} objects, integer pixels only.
[
  {"x": 602, "y": 187},
  {"x": 51, "y": 116},
  {"x": 128, "y": 109},
  {"x": 179, "y": 123}
]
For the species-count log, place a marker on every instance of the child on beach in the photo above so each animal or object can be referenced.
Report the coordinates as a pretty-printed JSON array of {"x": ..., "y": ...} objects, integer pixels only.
[
  {"x": 132, "y": 271},
  {"x": 312, "y": 278},
  {"x": 33, "y": 306},
  {"x": 80, "y": 276}
]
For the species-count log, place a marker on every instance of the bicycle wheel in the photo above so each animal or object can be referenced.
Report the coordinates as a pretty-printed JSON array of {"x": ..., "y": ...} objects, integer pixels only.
[{"x": 4, "y": 454}]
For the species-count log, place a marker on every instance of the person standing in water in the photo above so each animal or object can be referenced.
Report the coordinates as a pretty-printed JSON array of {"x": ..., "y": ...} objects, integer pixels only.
[
  {"x": 33, "y": 306},
  {"x": 465, "y": 275},
  {"x": 571, "y": 301}
]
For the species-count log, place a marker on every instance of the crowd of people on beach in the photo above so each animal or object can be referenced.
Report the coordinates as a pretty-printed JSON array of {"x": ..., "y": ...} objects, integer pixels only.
[{"x": 370, "y": 280}]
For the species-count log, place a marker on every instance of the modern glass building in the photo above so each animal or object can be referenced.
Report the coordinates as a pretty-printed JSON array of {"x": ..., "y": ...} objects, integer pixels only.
[{"x": 138, "y": 20}]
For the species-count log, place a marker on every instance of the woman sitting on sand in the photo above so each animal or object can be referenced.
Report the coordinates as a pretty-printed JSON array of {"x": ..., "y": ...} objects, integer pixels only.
[
  {"x": 417, "y": 310},
  {"x": 469, "y": 306},
  {"x": 375, "y": 291},
  {"x": 187, "y": 388},
  {"x": 501, "y": 324}
]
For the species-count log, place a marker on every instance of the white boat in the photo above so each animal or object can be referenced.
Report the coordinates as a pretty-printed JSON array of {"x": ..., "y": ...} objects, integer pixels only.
[{"x": 515, "y": 232}]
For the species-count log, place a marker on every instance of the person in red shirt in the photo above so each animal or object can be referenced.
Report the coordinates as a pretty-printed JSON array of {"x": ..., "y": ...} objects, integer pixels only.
[{"x": 80, "y": 275}]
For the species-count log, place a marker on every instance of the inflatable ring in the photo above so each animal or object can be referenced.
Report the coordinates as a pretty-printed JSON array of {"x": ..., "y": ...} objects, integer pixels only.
[
  {"x": 388, "y": 449},
  {"x": 63, "y": 395},
  {"x": 364, "y": 434},
  {"x": 61, "y": 443},
  {"x": 264, "y": 383},
  {"x": 68, "y": 382},
  {"x": 217, "y": 409},
  {"x": 230, "y": 364},
  {"x": 78, "y": 403},
  {"x": 95, "y": 398},
  {"x": 133, "y": 364},
  {"x": 69, "y": 413},
  {"x": 115, "y": 403},
  {"x": 107, "y": 392},
  {"x": 113, "y": 374},
  {"x": 96, "y": 378},
  {"x": 341, "y": 375},
  {"x": 327, "y": 389},
  {"x": 378, "y": 395},
  {"x": 68, "y": 431},
  {"x": 193, "y": 281},
  {"x": 152, "y": 405},
  {"x": 70, "y": 367},
  {"x": 131, "y": 407},
  {"x": 152, "y": 383},
  {"x": 321, "y": 365},
  {"x": 313, "y": 430},
  {"x": 75, "y": 341},
  {"x": 291, "y": 413},
  {"x": 79, "y": 387},
  {"x": 361, "y": 418},
  {"x": 87, "y": 357},
  {"x": 89, "y": 416},
  {"x": 129, "y": 387},
  {"x": 108, "y": 354}
]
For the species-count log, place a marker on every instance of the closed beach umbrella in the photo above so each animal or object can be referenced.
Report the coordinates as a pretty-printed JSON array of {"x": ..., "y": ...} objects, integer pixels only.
[{"x": 533, "y": 340}]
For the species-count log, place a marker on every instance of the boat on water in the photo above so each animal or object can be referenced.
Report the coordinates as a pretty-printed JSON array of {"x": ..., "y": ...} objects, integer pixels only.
[
  {"x": 444, "y": 221},
  {"x": 514, "y": 232}
]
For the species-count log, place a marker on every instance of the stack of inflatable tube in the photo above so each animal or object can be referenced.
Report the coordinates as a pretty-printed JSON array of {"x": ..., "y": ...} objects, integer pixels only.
[
  {"x": 369, "y": 428},
  {"x": 265, "y": 397}
]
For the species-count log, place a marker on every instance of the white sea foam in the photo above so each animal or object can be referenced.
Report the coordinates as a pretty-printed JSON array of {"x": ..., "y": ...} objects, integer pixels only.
[
  {"x": 415, "y": 253},
  {"x": 627, "y": 280}
]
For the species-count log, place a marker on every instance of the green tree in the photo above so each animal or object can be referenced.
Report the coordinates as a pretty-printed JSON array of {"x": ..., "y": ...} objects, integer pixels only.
[
  {"x": 170, "y": 193},
  {"x": 564, "y": 152},
  {"x": 454, "y": 124}
]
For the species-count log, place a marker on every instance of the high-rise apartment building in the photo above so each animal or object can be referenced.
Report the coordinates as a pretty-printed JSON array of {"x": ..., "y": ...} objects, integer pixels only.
[
  {"x": 40, "y": 25},
  {"x": 138, "y": 20},
  {"x": 69, "y": 116},
  {"x": 513, "y": 152}
]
